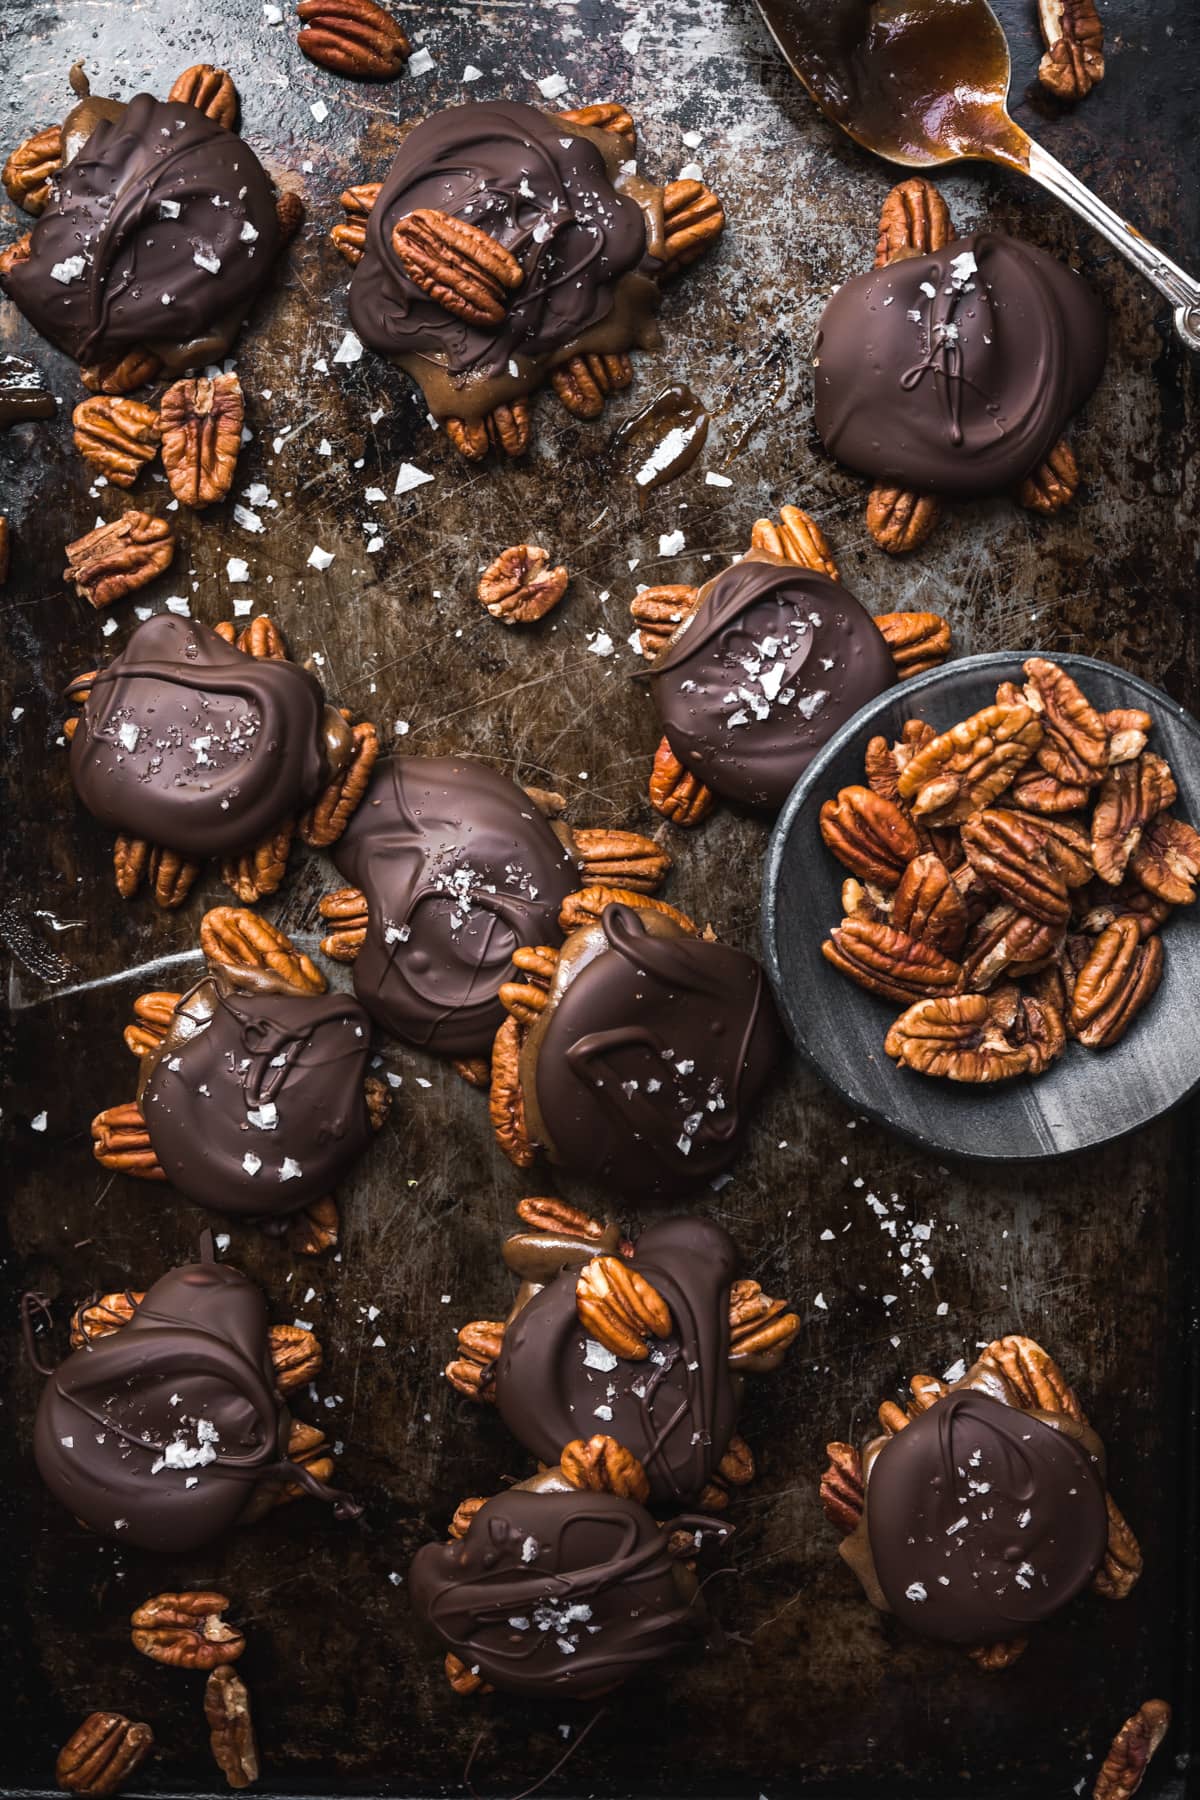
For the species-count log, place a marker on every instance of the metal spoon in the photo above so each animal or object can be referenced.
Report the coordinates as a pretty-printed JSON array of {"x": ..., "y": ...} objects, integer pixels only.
[{"x": 923, "y": 82}]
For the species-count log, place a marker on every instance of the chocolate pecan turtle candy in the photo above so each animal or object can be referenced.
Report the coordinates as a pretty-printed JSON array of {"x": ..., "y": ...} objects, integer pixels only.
[
  {"x": 636, "y": 1055},
  {"x": 651, "y": 1341},
  {"x": 168, "y": 1430},
  {"x": 755, "y": 671},
  {"x": 157, "y": 228},
  {"x": 982, "y": 1508},
  {"x": 253, "y": 1096},
  {"x": 952, "y": 368},
  {"x": 565, "y": 1585},
  {"x": 507, "y": 247},
  {"x": 455, "y": 870},
  {"x": 193, "y": 743}
]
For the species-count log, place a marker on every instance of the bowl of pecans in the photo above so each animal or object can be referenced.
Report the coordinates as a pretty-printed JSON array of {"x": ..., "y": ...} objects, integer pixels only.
[{"x": 978, "y": 907}]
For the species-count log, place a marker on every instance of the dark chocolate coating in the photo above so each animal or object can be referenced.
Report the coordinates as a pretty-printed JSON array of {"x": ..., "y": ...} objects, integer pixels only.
[
  {"x": 275, "y": 1077},
  {"x": 657, "y": 1042},
  {"x": 192, "y": 1369},
  {"x": 459, "y": 869},
  {"x": 140, "y": 282},
  {"x": 967, "y": 397},
  {"x": 23, "y": 394},
  {"x": 983, "y": 1520},
  {"x": 675, "y": 1411},
  {"x": 557, "y": 1594},
  {"x": 771, "y": 664},
  {"x": 261, "y": 755},
  {"x": 540, "y": 189}
]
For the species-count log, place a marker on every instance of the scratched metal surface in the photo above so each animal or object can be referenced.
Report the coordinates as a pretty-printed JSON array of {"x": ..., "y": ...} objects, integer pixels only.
[{"x": 1092, "y": 1256}]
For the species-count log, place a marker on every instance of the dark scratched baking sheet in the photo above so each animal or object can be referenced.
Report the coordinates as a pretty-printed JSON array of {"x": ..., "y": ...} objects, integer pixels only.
[{"x": 1095, "y": 1256}]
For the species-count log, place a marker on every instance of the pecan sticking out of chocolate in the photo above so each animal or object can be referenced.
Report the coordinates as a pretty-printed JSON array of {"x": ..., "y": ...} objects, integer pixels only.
[
  {"x": 620, "y": 1308},
  {"x": 210, "y": 91},
  {"x": 30, "y": 170},
  {"x": 456, "y": 264}
]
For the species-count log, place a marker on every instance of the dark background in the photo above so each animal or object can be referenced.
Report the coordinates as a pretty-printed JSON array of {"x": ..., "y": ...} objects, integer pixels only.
[{"x": 1094, "y": 1256}]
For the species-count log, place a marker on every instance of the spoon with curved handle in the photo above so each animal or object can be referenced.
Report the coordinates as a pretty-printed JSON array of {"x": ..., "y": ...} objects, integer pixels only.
[{"x": 922, "y": 82}]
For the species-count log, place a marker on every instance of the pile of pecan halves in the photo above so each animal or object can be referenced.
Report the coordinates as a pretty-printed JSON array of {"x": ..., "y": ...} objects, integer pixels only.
[{"x": 1010, "y": 876}]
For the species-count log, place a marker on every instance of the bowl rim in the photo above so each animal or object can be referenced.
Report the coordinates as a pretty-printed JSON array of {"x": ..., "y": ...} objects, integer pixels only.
[{"x": 786, "y": 821}]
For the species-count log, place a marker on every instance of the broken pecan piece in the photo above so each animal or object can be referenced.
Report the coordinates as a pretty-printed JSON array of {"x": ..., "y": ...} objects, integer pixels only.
[
  {"x": 929, "y": 905},
  {"x": 1128, "y": 728},
  {"x": 798, "y": 539},
  {"x": 29, "y": 172},
  {"x": 899, "y": 521},
  {"x": 1011, "y": 858},
  {"x": 977, "y": 1037},
  {"x": 600, "y": 1465},
  {"x": 233, "y": 937},
  {"x": 658, "y": 612},
  {"x": 352, "y": 37},
  {"x": 965, "y": 768},
  {"x": 884, "y": 761},
  {"x": 1114, "y": 984},
  {"x": 1074, "y": 744},
  {"x": 869, "y": 835},
  {"x": 1007, "y": 941},
  {"x": 16, "y": 253},
  {"x": 230, "y": 1727},
  {"x": 210, "y": 91},
  {"x": 759, "y": 1326},
  {"x": 1074, "y": 38},
  {"x": 1101, "y": 905},
  {"x": 116, "y": 435},
  {"x": 675, "y": 792},
  {"x": 296, "y": 1356},
  {"x": 518, "y": 588},
  {"x": 914, "y": 221},
  {"x": 1054, "y": 483},
  {"x": 1124, "y": 1768},
  {"x": 186, "y": 1631},
  {"x": 1132, "y": 794},
  {"x": 457, "y": 265},
  {"x": 314, "y": 1229},
  {"x": 113, "y": 560},
  {"x": 1167, "y": 860},
  {"x": 888, "y": 962},
  {"x": 917, "y": 640},
  {"x": 201, "y": 423},
  {"x": 102, "y": 1754},
  {"x": 620, "y": 1308},
  {"x": 693, "y": 218},
  {"x": 584, "y": 383}
]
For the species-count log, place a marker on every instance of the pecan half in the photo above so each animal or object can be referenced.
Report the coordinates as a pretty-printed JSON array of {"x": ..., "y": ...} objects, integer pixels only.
[
  {"x": 120, "y": 1141},
  {"x": 296, "y": 1356},
  {"x": 600, "y": 1465},
  {"x": 1032, "y": 1377},
  {"x": 1054, "y": 483},
  {"x": 201, "y": 423},
  {"x": 171, "y": 875},
  {"x": 524, "y": 1000},
  {"x": 624, "y": 859},
  {"x": 883, "y": 761},
  {"x": 519, "y": 588},
  {"x": 888, "y": 962},
  {"x": 102, "y": 1754},
  {"x": 759, "y": 1326},
  {"x": 928, "y": 904},
  {"x": 121, "y": 374},
  {"x": 1007, "y": 941},
  {"x": 675, "y": 792},
  {"x": 116, "y": 435},
  {"x": 1128, "y": 729},
  {"x": 1011, "y": 858},
  {"x": 914, "y": 221},
  {"x": 506, "y": 1102},
  {"x": 314, "y": 1230},
  {"x": 1066, "y": 842},
  {"x": 842, "y": 1493},
  {"x": 1114, "y": 984},
  {"x": 797, "y": 538},
  {"x": 1121, "y": 1569},
  {"x": 459, "y": 266},
  {"x": 605, "y": 115},
  {"x": 506, "y": 429},
  {"x": 346, "y": 911},
  {"x": 900, "y": 521},
  {"x": 480, "y": 1342},
  {"x": 917, "y": 640},
  {"x": 977, "y": 1037},
  {"x": 693, "y": 218},
  {"x": 620, "y": 1308},
  {"x": 1124, "y": 1768},
  {"x": 547, "y": 1213},
  {"x": 233, "y": 937},
  {"x": 186, "y": 1631},
  {"x": 965, "y": 768},
  {"x": 584, "y": 383},
  {"x": 869, "y": 835},
  {"x": 350, "y": 236},
  {"x": 585, "y": 908},
  {"x": 113, "y": 560},
  {"x": 1131, "y": 796},
  {"x": 1074, "y": 744},
  {"x": 1074, "y": 38},
  {"x": 258, "y": 872},
  {"x": 230, "y": 1727},
  {"x": 1167, "y": 860},
  {"x": 1035, "y": 791},
  {"x": 210, "y": 91},
  {"x": 29, "y": 172},
  {"x": 352, "y": 37},
  {"x": 329, "y": 816},
  {"x": 659, "y": 611}
]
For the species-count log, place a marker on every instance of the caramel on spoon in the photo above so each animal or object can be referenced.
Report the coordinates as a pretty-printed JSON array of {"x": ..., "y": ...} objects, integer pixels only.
[{"x": 926, "y": 81}]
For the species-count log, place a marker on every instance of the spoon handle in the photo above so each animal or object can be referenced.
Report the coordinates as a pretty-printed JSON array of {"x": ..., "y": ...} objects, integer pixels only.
[{"x": 1171, "y": 281}]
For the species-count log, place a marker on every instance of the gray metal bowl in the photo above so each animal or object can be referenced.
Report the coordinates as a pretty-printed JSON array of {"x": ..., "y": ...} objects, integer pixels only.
[{"x": 1087, "y": 1097}]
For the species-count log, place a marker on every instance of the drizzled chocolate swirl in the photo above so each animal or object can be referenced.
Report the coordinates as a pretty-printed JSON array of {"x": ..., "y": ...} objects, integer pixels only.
[
  {"x": 676, "y": 1411},
  {"x": 558, "y": 1594},
  {"x": 459, "y": 869},
  {"x": 254, "y": 1101},
  {"x": 161, "y": 232},
  {"x": 656, "y": 1046},
  {"x": 955, "y": 373},
  {"x": 187, "y": 743}
]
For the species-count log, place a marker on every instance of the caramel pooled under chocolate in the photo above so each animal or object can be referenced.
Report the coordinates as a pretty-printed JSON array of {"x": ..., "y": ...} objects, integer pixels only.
[
  {"x": 459, "y": 869},
  {"x": 254, "y": 1101},
  {"x": 643, "y": 1070},
  {"x": 558, "y": 1594},
  {"x": 955, "y": 373},
  {"x": 188, "y": 743},
  {"x": 160, "y": 233},
  {"x": 675, "y": 1411},
  {"x": 774, "y": 660}
]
